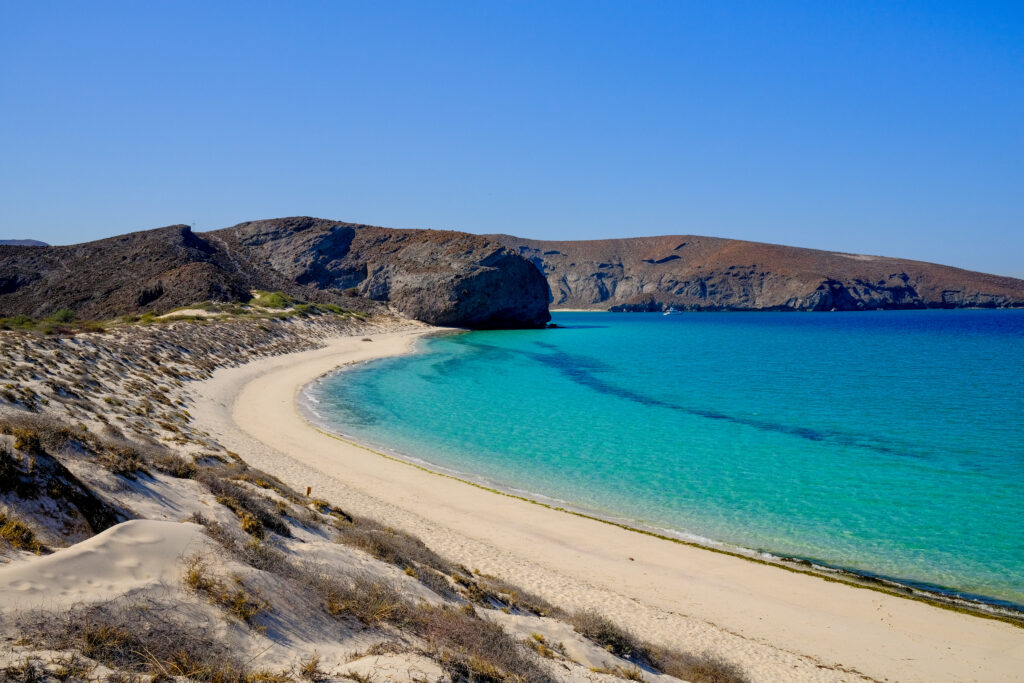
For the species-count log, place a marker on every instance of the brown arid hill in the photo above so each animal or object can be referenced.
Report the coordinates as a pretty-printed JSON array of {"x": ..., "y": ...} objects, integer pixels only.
[
  {"x": 707, "y": 273},
  {"x": 439, "y": 277}
]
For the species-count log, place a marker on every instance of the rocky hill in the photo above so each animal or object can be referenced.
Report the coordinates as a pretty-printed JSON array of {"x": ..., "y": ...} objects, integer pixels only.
[
  {"x": 459, "y": 279},
  {"x": 707, "y": 273},
  {"x": 439, "y": 277},
  {"x": 24, "y": 243}
]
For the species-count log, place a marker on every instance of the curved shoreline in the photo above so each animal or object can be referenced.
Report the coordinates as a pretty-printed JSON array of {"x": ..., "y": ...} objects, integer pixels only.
[
  {"x": 979, "y": 605},
  {"x": 772, "y": 623},
  {"x": 940, "y": 596}
]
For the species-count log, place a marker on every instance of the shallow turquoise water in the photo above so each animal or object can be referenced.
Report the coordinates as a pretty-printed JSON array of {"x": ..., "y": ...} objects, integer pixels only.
[{"x": 890, "y": 442}]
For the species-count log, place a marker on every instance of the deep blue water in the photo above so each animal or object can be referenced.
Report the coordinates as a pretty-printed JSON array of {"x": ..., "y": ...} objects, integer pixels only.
[{"x": 888, "y": 442}]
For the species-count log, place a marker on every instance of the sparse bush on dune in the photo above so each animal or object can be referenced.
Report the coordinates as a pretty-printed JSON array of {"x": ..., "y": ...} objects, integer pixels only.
[
  {"x": 255, "y": 552},
  {"x": 491, "y": 591},
  {"x": 143, "y": 638},
  {"x": 175, "y": 465},
  {"x": 18, "y": 535},
  {"x": 369, "y": 599},
  {"x": 608, "y": 635},
  {"x": 236, "y": 600},
  {"x": 623, "y": 643},
  {"x": 474, "y": 649},
  {"x": 697, "y": 668},
  {"x": 389, "y": 545},
  {"x": 123, "y": 460},
  {"x": 255, "y": 512},
  {"x": 18, "y": 322}
]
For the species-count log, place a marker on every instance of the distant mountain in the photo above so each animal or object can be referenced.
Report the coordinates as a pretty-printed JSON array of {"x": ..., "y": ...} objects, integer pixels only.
[
  {"x": 708, "y": 273},
  {"x": 439, "y": 277},
  {"x": 24, "y": 243}
]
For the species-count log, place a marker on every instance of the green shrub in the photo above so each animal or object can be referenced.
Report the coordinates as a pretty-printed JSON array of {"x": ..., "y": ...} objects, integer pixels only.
[
  {"x": 18, "y": 322},
  {"x": 64, "y": 315},
  {"x": 272, "y": 300}
]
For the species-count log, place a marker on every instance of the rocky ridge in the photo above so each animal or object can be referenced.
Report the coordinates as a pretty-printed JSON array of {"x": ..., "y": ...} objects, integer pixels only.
[
  {"x": 707, "y": 273},
  {"x": 438, "y": 277}
]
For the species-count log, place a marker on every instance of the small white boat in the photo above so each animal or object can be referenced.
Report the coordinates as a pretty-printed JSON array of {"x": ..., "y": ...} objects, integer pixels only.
[{"x": 672, "y": 310}]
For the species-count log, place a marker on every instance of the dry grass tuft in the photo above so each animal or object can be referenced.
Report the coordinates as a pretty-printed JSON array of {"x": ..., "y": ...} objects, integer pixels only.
[
  {"x": 370, "y": 600},
  {"x": 27, "y": 670},
  {"x": 309, "y": 670},
  {"x": 19, "y": 536},
  {"x": 235, "y": 600},
  {"x": 545, "y": 648}
]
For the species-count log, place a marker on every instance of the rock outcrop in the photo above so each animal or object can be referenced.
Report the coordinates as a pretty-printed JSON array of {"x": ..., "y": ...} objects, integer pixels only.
[
  {"x": 439, "y": 277},
  {"x": 707, "y": 273}
]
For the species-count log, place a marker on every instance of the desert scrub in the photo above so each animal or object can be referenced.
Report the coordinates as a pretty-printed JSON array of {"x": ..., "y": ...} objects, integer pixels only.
[
  {"x": 255, "y": 552},
  {"x": 18, "y": 535},
  {"x": 490, "y": 591},
  {"x": 174, "y": 465},
  {"x": 235, "y": 600},
  {"x": 623, "y": 643},
  {"x": 470, "y": 648},
  {"x": 255, "y": 512},
  {"x": 10, "y": 473},
  {"x": 390, "y": 545},
  {"x": 140, "y": 639},
  {"x": 368, "y": 599},
  {"x": 122, "y": 460}
]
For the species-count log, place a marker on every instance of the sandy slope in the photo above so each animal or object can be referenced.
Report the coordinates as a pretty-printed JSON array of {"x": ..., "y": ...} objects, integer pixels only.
[
  {"x": 777, "y": 624},
  {"x": 130, "y": 556}
]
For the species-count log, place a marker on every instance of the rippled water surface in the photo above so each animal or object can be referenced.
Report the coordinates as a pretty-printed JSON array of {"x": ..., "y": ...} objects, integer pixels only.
[{"x": 888, "y": 442}]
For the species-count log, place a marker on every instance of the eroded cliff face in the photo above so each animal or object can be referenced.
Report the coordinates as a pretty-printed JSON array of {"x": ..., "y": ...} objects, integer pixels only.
[
  {"x": 439, "y": 277},
  {"x": 706, "y": 273}
]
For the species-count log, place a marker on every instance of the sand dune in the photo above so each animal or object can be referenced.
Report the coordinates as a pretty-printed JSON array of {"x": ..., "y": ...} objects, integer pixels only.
[{"x": 133, "y": 555}]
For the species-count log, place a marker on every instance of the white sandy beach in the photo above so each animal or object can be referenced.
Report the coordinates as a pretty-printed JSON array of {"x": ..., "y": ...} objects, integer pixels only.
[{"x": 776, "y": 624}]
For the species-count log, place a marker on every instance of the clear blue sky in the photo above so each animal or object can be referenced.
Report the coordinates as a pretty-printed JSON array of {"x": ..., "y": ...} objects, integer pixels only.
[{"x": 893, "y": 128}]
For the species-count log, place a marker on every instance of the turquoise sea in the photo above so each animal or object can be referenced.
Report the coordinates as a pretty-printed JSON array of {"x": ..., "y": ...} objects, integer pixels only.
[{"x": 887, "y": 443}]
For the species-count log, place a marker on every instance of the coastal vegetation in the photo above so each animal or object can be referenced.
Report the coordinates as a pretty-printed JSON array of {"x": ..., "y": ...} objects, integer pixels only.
[{"x": 262, "y": 306}]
